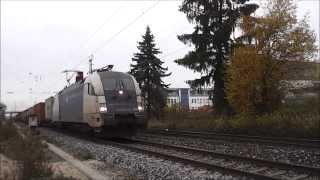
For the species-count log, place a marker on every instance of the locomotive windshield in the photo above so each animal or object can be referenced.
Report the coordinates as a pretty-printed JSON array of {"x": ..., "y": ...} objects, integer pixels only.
[
  {"x": 116, "y": 81},
  {"x": 115, "y": 84}
]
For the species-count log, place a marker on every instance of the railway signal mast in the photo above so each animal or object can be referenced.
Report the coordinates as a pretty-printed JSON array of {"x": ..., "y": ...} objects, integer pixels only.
[
  {"x": 0, "y": 79},
  {"x": 90, "y": 64},
  {"x": 105, "y": 68}
]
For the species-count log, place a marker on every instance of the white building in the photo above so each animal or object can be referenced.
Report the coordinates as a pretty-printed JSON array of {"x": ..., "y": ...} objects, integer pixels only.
[{"x": 188, "y": 98}]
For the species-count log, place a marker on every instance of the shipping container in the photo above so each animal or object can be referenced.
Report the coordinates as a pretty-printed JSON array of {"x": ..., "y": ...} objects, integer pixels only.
[
  {"x": 49, "y": 109},
  {"x": 39, "y": 111}
]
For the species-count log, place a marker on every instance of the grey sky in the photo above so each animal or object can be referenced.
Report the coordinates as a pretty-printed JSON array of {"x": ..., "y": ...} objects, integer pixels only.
[{"x": 39, "y": 39}]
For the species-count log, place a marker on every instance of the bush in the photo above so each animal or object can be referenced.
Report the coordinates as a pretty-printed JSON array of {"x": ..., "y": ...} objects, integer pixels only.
[
  {"x": 29, "y": 152},
  {"x": 297, "y": 120},
  {"x": 7, "y": 131},
  {"x": 179, "y": 118},
  {"x": 291, "y": 120},
  {"x": 294, "y": 120}
]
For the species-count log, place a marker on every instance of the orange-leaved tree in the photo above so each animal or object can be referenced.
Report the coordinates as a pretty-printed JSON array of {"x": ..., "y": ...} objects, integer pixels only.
[
  {"x": 253, "y": 81},
  {"x": 257, "y": 69}
]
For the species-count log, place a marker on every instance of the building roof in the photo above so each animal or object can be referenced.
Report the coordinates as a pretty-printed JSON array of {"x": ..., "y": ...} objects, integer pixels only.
[{"x": 2, "y": 106}]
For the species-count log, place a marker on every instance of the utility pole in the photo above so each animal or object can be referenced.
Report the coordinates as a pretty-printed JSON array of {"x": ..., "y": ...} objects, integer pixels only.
[
  {"x": 90, "y": 64},
  {"x": 0, "y": 78}
]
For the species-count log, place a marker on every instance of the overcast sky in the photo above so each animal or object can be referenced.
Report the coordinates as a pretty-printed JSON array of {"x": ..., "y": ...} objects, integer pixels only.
[{"x": 40, "y": 39}]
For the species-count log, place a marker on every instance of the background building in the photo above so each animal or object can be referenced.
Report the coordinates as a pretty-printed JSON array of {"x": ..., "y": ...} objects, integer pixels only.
[
  {"x": 303, "y": 81},
  {"x": 188, "y": 98},
  {"x": 2, "y": 110}
]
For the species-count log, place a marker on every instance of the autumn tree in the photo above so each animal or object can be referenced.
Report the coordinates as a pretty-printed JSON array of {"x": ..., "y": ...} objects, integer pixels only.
[
  {"x": 148, "y": 70},
  {"x": 214, "y": 22},
  {"x": 253, "y": 81},
  {"x": 258, "y": 63}
]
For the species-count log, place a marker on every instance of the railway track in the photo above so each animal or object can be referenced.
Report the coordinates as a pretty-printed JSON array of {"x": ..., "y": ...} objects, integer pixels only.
[
  {"x": 238, "y": 165},
  {"x": 298, "y": 142},
  {"x": 242, "y": 167}
]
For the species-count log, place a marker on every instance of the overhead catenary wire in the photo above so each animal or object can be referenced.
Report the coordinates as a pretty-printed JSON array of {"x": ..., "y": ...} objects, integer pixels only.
[
  {"x": 83, "y": 59},
  {"x": 93, "y": 34},
  {"x": 100, "y": 27},
  {"x": 125, "y": 27},
  {"x": 104, "y": 23},
  {"x": 117, "y": 33},
  {"x": 55, "y": 82}
]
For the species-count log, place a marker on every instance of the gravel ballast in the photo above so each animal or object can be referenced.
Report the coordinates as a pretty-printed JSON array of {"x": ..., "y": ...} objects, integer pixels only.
[
  {"x": 138, "y": 165},
  {"x": 287, "y": 154}
]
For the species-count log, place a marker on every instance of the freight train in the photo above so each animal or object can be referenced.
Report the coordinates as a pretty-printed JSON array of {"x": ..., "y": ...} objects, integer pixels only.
[{"x": 107, "y": 102}]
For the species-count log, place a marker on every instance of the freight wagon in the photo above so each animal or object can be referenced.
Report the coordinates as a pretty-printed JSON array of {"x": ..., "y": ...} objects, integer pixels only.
[
  {"x": 49, "y": 109},
  {"x": 36, "y": 112},
  {"x": 39, "y": 112},
  {"x": 105, "y": 102}
]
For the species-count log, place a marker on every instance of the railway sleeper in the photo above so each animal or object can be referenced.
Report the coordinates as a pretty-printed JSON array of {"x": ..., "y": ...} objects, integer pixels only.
[
  {"x": 302, "y": 176},
  {"x": 277, "y": 173},
  {"x": 259, "y": 170},
  {"x": 265, "y": 170}
]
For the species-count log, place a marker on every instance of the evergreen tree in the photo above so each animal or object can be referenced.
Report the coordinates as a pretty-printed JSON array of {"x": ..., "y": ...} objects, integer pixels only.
[
  {"x": 214, "y": 22},
  {"x": 148, "y": 71}
]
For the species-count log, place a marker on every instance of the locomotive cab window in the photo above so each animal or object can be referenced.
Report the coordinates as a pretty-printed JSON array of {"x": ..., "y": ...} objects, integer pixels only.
[
  {"x": 90, "y": 90},
  {"x": 118, "y": 83}
]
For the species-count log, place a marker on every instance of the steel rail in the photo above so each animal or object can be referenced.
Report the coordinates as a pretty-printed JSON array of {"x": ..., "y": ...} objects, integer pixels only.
[
  {"x": 131, "y": 144},
  {"x": 306, "y": 143},
  {"x": 189, "y": 161},
  {"x": 299, "y": 168}
]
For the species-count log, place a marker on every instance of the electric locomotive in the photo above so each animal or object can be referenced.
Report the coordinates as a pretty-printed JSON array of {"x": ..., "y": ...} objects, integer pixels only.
[{"x": 107, "y": 102}]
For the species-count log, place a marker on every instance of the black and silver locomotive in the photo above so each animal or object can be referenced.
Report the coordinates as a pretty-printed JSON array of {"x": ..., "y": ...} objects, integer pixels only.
[{"x": 105, "y": 101}]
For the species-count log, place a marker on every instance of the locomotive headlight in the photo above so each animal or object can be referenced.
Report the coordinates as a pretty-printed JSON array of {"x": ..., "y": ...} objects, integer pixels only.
[
  {"x": 103, "y": 108},
  {"x": 140, "y": 108},
  {"x": 120, "y": 92}
]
